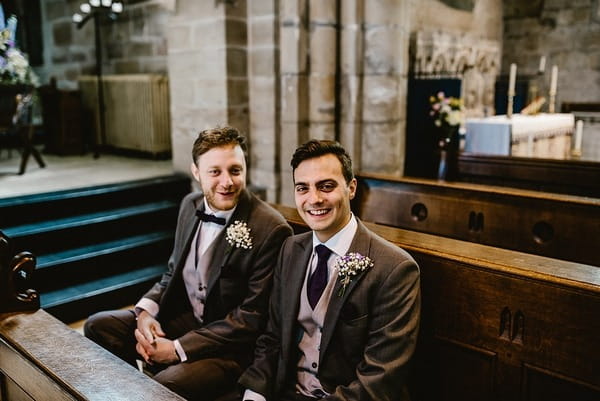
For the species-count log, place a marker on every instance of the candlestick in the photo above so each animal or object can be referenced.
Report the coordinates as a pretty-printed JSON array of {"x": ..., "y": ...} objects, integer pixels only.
[
  {"x": 511, "y": 89},
  {"x": 542, "y": 66},
  {"x": 578, "y": 138},
  {"x": 553, "y": 84}
]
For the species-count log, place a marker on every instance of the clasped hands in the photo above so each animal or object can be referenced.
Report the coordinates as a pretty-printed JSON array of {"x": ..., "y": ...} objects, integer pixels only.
[{"x": 151, "y": 342}]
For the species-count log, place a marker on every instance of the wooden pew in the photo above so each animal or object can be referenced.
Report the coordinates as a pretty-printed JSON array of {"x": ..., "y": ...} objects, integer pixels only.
[
  {"x": 573, "y": 177},
  {"x": 499, "y": 324},
  {"x": 554, "y": 225},
  {"x": 42, "y": 359}
]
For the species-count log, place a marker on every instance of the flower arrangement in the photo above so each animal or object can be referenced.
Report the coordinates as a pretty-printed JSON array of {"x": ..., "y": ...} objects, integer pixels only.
[
  {"x": 238, "y": 235},
  {"x": 14, "y": 66},
  {"x": 446, "y": 111},
  {"x": 349, "y": 266}
]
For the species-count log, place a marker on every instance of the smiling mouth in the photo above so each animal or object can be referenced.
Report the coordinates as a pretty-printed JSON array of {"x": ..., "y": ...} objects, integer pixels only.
[{"x": 318, "y": 212}]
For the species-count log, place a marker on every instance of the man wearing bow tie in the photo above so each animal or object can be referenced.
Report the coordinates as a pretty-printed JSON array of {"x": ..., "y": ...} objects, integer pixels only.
[
  {"x": 197, "y": 326},
  {"x": 344, "y": 311}
]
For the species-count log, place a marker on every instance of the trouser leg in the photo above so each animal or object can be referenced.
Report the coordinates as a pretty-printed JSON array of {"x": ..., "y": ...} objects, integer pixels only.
[
  {"x": 114, "y": 330},
  {"x": 204, "y": 379}
]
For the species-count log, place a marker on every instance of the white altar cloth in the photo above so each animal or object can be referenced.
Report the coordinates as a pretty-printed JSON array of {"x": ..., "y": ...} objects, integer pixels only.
[{"x": 541, "y": 135}]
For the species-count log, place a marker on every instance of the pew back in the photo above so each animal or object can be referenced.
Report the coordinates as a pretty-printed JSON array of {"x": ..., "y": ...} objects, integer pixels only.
[
  {"x": 554, "y": 225},
  {"x": 42, "y": 359}
]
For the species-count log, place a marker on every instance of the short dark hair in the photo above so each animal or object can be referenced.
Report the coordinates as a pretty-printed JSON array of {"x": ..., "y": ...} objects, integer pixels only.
[
  {"x": 217, "y": 137},
  {"x": 316, "y": 148}
]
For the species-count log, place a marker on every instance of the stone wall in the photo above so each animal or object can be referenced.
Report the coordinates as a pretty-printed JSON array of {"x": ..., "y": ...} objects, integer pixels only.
[
  {"x": 567, "y": 33},
  {"x": 135, "y": 43}
]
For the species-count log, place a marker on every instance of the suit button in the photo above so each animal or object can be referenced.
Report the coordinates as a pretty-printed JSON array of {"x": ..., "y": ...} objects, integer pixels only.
[{"x": 314, "y": 365}]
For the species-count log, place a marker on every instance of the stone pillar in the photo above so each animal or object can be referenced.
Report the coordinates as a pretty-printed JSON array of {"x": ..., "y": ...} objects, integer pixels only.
[
  {"x": 207, "y": 71},
  {"x": 294, "y": 87},
  {"x": 386, "y": 38},
  {"x": 322, "y": 68},
  {"x": 264, "y": 91}
]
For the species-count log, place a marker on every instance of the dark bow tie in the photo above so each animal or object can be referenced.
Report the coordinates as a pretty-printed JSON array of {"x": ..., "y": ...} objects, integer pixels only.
[{"x": 210, "y": 218}]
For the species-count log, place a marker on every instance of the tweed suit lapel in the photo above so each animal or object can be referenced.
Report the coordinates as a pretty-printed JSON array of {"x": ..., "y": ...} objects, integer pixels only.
[
  {"x": 292, "y": 281},
  {"x": 360, "y": 244},
  {"x": 223, "y": 250}
]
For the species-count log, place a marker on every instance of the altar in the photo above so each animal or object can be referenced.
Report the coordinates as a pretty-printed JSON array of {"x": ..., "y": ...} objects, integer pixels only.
[{"x": 542, "y": 135}]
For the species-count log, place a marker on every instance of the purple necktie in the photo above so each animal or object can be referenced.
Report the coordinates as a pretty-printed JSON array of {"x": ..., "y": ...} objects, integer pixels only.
[{"x": 318, "y": 280}]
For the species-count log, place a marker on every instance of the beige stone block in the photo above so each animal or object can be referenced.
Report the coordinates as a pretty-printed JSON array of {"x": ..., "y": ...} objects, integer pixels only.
[
  {"x": 236, "y": 33},
  {"x": 321, "y": 131},
  {"x": 381, "y": 50},
  {"x": 351, "y": 12},
  {"x": 261, "y": 61},
  {"x": 261, "y": 32},
  {"x": 351, "y": 98},
  {"x": 179, "y": 37},
  {"x": 261, "y": 7},
  {"x": 384, "y": 12},
  {"x": 322, "y": 50},
  {"x": 293, "y": 50},
  {"x": 381, "y": 148},
  {"x": 266, "y": 179},
  {"x": 293, "y": 10},
  {"x": 323, "y": 11},
  {"x": 208, "y": 93},
  {"x": 207, "y": 63},
  {"x": 351, "y": 60},
  {"x": 237, "y": 92},
  {"x": 381, "y": 98},
  {"x": 350, "y": 138},
  {"x": 294, "y": 98},
  {"x": 181, "y": 91},
  {"x": 321, "y": 98},
  {"x": 208, "y": 34},
  {"x": 193, "y": 10},
  {"x": 154, "y": 65},
  {"x": 262, "y": 94}
]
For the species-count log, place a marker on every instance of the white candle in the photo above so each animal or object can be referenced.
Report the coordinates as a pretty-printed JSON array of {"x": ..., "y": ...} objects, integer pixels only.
[
  {"x": 542, "y": 67},
  {"x": 578, "y": 135},
  {"x": 512, "y": 79},
  {"x": 554, "y": 80}
]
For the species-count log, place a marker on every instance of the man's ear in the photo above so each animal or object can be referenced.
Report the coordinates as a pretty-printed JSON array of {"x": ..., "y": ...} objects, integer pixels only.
[
  {"x": 352, "y": 188},
  {"x": 195, "y": 171}
]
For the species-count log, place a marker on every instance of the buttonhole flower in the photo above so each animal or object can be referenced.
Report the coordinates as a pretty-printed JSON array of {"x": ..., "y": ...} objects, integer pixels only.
[
  {"x": 238, "y": 235},
  {"x": 349, "y": 266}
]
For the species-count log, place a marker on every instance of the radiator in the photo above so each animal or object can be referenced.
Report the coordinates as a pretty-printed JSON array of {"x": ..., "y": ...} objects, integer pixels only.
[{"x": 137, "y": 111}]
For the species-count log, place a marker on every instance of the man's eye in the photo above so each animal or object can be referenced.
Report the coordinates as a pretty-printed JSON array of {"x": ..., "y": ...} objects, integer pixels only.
[
  {"x": 327, "y": 187},
  {"x": 236, "y": 171},
  {"x": 213, "y": 172},
  {"x": 301, "y": 189}
]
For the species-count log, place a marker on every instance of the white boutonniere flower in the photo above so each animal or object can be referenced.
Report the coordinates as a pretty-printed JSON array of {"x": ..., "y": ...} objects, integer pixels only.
[
  {"x": 349, "y": 266},
  {"x": 238, "y": 235}
]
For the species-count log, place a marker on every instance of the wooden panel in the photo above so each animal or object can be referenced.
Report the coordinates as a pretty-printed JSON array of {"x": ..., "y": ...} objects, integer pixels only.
[
  {"x": 574, "y": 177},
  {"x": 544, "y": 385},
  {"x": 27, "y": 376},
  {"x": 14, "y": 392}
]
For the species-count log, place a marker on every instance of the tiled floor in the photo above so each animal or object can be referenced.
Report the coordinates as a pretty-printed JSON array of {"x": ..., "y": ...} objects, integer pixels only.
[{"x": 66, "y": 172}]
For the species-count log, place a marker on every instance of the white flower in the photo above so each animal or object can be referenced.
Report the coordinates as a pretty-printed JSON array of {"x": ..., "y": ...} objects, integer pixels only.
[
  {"x": 238, "y": 235},
  {"x": 349, "y": 266}
]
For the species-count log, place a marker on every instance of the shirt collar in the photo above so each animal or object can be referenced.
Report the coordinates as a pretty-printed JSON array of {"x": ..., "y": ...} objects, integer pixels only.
[
  {"x": 226, "y": 214},
  {"x": 341, "y": 241}
]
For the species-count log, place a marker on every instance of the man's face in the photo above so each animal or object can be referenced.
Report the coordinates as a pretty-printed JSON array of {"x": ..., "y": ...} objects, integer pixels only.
[
  {"x": 322, "y": 195},
  {"x": 222, "y": 175}
]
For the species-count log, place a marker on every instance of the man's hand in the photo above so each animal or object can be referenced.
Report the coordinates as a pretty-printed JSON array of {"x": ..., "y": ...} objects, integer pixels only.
[
  {"x": 161, "y": 350},
  {"x": 148, "y": 326}
]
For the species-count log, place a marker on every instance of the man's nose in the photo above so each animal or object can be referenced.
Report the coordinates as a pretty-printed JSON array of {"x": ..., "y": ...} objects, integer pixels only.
[{"x": 226, "y": 180}]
